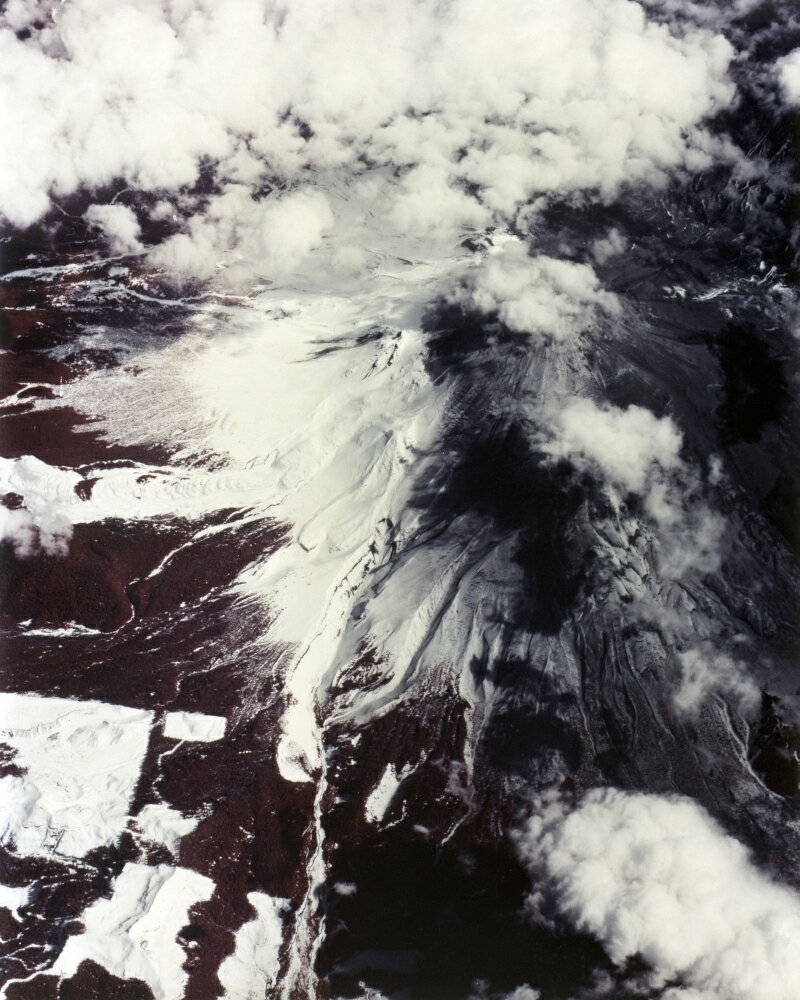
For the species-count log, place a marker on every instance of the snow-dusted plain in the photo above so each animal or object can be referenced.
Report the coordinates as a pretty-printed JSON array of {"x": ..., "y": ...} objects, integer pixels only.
[{"x": 399, "y": 500}]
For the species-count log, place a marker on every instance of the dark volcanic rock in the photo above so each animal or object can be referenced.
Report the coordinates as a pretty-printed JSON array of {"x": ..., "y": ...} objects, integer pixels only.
[{"x": 90, "y": 982}]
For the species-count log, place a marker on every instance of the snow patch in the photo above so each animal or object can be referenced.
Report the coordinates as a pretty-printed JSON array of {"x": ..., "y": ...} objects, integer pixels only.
[
  {"x": 13, "y": 897},
  {"x": 194, "y": 726},
  {"x": 292, "y": 759},
  {"x": 72, "y": 630},
  {"x": 82, "y": 762},
  {"x": 133, "y": 934},
  {"x": 255, "y": 963},
  {"x": 165, "y": 825},
  {"x": 381, "y": 796}
]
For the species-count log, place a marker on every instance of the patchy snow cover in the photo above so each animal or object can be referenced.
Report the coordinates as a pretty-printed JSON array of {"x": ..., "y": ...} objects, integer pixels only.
[
  {"x": 254, "y": 965},
  {"x": 13, "y": 897},
  {"x": 194, "y": 726},
  {"x": 82, "y": 762},
  {"x": 317, "y": 430},
  {"x": 344, "y": 407},
  {"x": 133, "y": 934},
  {"x": 165, "y": 825},
  {"x": 72, "y": 630},
  {"x": 53, "y": 506}
]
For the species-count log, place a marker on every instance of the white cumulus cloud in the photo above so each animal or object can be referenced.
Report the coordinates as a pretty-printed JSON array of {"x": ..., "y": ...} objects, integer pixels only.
[
  {"x": 464, "y": 111},
  {"x": 541, "y": 295},
  {"x": 268, "y": 237},
  {"x": 43, "y": 522},
  {"x": 625, "y": 444},
  {"x": 705, "y": 671},
  {"x": 119, "y": 226},
  {"x": 657, "y": 877},
  {"x": 788, "y": 70}
]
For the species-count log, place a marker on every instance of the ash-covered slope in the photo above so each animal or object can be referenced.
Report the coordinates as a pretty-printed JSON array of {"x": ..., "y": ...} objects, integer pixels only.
[{"x": 400, "y": 501}]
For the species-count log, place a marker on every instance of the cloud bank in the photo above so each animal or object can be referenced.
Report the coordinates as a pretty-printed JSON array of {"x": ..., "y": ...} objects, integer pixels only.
[{"x": 465, "y": 112}]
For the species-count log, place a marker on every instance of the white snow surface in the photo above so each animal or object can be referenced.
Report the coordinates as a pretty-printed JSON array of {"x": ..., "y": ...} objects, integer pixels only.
[
  {"x": 380, "y": 798},
  {"x": 253, "y": 967},
  {"x": 72, "y": 630},
  {"x": 319, "y": 428},
  {"x": 194, "y": 726},
  {"x": 81, "y": 763},
  {"x": 133, "y": 934},
  {"x": 52, "y": 506},
  {"x": 165, "y": 825},
  {"x": 13, "y": 897}
]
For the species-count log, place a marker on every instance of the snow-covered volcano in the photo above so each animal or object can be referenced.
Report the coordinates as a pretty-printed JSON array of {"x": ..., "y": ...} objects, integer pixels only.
[{"x": 399, "y": 501}]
